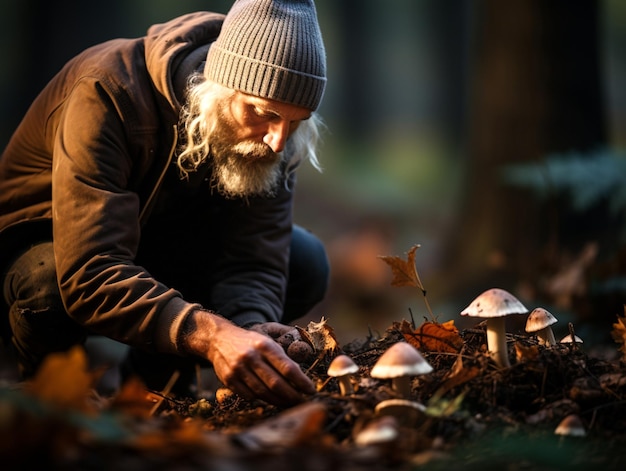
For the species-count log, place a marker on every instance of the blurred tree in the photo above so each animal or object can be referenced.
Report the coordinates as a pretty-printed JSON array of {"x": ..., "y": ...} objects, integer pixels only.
[{"x": 535, "y": 90}]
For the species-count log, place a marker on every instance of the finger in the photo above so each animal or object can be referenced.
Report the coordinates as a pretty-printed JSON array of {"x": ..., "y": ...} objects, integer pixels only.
[
  {"x": 275, "y": 329},
  {"x": 278, "y": 388},
  {"x": 289, "y": 369},
  {"x": 267, "y": 385}
]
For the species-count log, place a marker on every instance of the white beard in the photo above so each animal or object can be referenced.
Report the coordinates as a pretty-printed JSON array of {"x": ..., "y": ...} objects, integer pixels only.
[{"x": 244, "y": 168}]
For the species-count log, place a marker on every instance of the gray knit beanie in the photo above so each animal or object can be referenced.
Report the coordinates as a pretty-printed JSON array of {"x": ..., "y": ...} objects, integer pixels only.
[{"x": 272, "y": 49}]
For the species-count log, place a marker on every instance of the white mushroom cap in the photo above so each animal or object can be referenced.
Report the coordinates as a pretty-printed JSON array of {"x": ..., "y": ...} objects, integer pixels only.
[
  {"x": 407, "y": 412},
  {"x": 571, "y": 426},
  {"x": 493, "y": 305},
  {"x": 342, "y": 365},
  {"x": 568, "y": 339},
  {"x": 539, "y": 319},
  {"x": 494, "y": 302},
  {"x": 401, "y": 359},
  {"x": 379, "y": 431}
]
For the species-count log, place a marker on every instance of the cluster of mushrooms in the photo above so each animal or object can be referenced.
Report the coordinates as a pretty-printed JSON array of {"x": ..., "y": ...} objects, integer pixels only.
[
  {"x": 401, "y": 362},
  {"x": 494, "y": 305}
]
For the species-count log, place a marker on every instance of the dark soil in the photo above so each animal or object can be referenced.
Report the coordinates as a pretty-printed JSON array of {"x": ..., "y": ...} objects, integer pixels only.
[{"x": 477, "y": 416}]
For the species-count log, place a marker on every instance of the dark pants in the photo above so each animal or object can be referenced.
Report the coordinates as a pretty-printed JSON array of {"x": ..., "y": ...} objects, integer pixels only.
[{"x": 38, "y": 323}]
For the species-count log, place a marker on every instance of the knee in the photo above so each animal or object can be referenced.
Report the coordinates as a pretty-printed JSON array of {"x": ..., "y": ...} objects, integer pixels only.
[
  {"x": 32, "y": 279},
  {"x": 309, "y": 269}
]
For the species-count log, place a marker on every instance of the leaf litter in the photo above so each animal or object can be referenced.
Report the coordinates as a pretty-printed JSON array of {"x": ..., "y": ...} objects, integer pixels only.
[{"x": 473, "y": 414}]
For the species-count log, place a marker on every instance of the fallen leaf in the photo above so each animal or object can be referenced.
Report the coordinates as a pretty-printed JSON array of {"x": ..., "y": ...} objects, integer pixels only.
[
  {"x": 435, "y": 337},
  {"x": 458, "y": 375},
  {"x": 523, "y": 353},
  {"x": 619, "y": 333},
  {"x": 134, "y": 399},
  {"x": 439, "y": 407},
  {"x": 403, "y": 271},
  {"x": 320, "y": 336},
  {"x": 64, "y": 380},
  {"x": 293, "y": 427}
]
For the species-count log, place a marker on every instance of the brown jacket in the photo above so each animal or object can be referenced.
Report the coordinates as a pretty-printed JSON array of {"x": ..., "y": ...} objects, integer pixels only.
[{"x": 88, "y": 161}]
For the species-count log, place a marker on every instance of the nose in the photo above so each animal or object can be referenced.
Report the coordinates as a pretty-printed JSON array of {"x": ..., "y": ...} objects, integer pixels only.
[{"x": 277, "y": 134}]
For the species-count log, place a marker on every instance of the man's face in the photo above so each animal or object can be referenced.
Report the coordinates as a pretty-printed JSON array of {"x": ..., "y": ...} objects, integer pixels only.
[{"x": 247, "y": 142}]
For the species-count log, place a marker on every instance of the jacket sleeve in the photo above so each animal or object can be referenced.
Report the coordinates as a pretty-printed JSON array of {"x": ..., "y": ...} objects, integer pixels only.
[
  {"x": 250, "y": 279},
  {"x": 96, "y": 228}
]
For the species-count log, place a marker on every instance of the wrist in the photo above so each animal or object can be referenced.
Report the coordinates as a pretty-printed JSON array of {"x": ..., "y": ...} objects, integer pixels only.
[{"x": 198, "y": 329}]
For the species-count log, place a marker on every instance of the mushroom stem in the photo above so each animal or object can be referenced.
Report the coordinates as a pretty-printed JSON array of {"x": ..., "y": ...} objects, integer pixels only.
[
  {"x": 546, "y": 337},
  {"x": 345, "y": 385},
  {"x": 402, "y": 385},
  {"x": 496, "y": 341}
]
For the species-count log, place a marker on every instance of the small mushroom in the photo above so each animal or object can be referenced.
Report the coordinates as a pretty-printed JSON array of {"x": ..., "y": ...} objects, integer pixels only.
[
  {"x": 342, "y": 367},
  {"x": 405, "y": 411},
  {"x": 494, "y": 305},
  {"x": 380, "y": 431},
  {"x": 539, "y": 322},
  {"x": 568, "y": 339},
  {"x": 571, "y": 426},
  {"x": 399, "y": 363}
]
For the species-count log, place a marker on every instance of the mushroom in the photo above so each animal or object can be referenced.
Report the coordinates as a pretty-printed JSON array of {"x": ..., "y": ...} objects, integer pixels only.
[
  {"x": 405, "y": 411},
  {"x": 539, "y": 322},
  {"x": 379, "y": 432},
  {"x": 568, "y": 339},
  {"x": 399, "y": 363},
  {"x": 342, "y": 368},
  {"x": 571, "y": 426},
  {"x": 493, "y": 305}
]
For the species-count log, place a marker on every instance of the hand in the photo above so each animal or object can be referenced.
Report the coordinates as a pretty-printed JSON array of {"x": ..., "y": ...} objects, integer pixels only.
[
  {"x": 251, "y": 364},
  {"x": 276, "y": 330},
  {"x": 287, "y": 337}
]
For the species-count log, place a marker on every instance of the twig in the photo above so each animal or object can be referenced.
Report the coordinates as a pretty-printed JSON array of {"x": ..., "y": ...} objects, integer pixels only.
[{"x": 165, "y": 392}]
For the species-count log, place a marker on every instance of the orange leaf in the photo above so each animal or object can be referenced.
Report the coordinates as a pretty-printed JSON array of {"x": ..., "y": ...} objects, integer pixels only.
[
  {"x": 134, "y": 399},
  {"x": 523, "y": 353},
  {"x": 458, "y": 374},
  {"x": 63, "y": 380},
  {"x": 435, "y": 337},
  {"x": 619, "y": 333},
  {"x": 403, "y": 271}
]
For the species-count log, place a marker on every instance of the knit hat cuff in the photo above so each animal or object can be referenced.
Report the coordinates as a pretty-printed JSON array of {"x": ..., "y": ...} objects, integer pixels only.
[{"x": 263, "y": 79}]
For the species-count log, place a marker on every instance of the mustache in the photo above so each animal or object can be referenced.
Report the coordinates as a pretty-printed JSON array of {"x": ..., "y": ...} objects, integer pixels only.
[{"x": 255, "y": 150}]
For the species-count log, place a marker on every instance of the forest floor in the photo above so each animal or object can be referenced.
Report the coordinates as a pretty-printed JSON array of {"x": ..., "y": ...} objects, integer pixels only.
[{"x": 471, "y": 414}]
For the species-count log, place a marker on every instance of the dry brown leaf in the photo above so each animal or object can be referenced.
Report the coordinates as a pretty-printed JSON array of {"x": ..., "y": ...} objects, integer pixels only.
[
  {"x": 293, "y": 427},
  {"x": 320, "y": 336},
  {"x": 134, "y": 399},
  {"x": 64, "y": 380},
  {"x": 403, "y": 271},
  {"x": 619, "y": 333},
  {"x": 435, "y": 337},
  {"x": 458, "y": 374},
  {"x": 523, "y": 353}
]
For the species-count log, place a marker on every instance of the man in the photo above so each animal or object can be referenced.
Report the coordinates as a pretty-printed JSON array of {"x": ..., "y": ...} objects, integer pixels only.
[{"x": 147, "y": 196}]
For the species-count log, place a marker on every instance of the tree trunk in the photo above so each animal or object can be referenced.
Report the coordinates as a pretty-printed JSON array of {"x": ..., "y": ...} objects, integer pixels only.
[{"x": 535, "y": 90}]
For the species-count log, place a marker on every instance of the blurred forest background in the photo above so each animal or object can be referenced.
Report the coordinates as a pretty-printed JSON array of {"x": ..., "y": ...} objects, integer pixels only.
[{"x": 489, "y": 132}]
